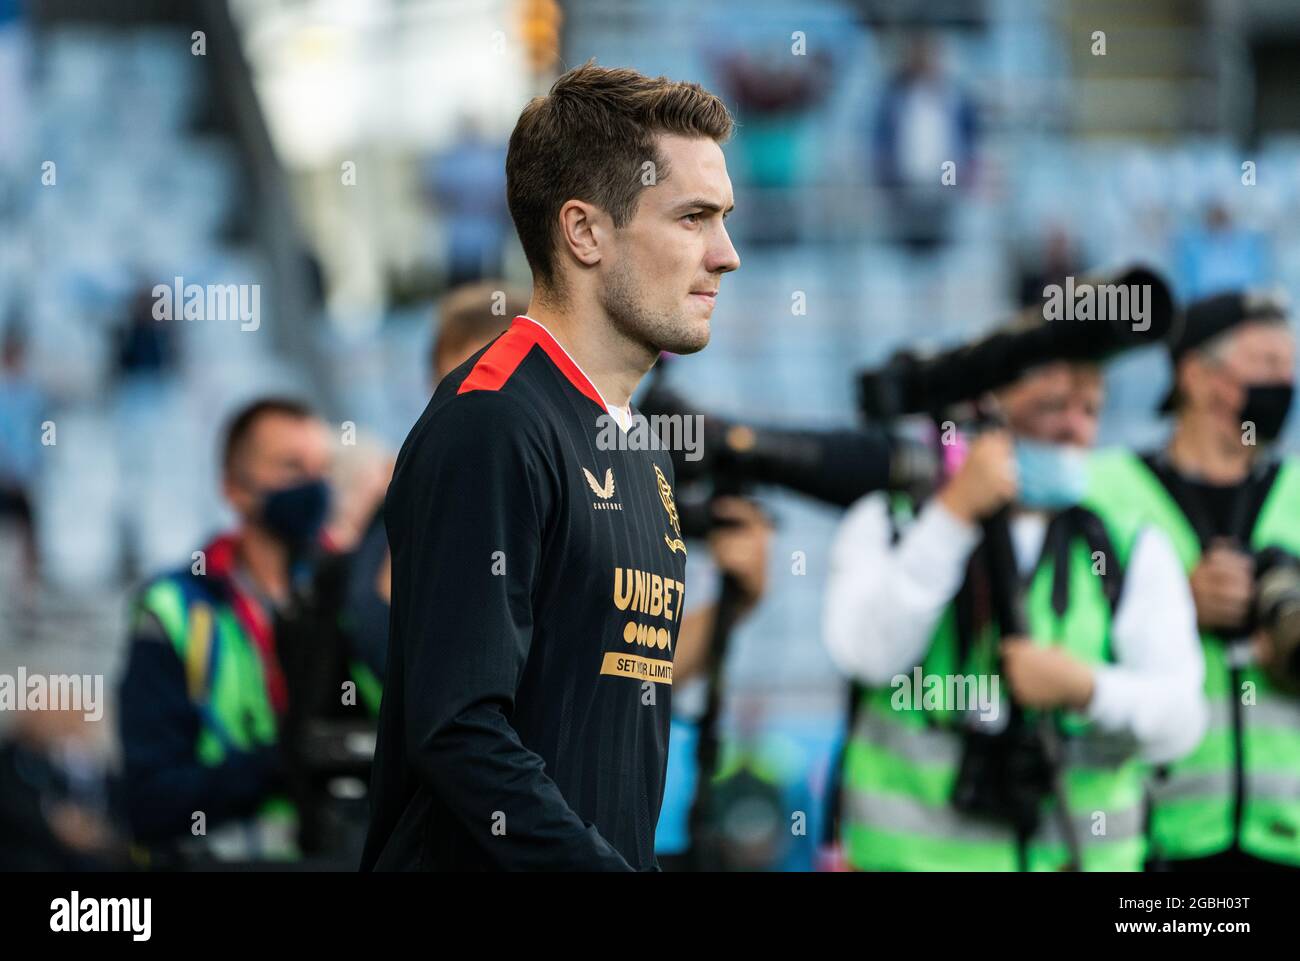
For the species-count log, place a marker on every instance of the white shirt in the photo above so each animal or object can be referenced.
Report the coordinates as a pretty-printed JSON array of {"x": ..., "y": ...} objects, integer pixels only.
[
  {"x": 622, "y": 415},
  {"x": 883, "y": 601}
]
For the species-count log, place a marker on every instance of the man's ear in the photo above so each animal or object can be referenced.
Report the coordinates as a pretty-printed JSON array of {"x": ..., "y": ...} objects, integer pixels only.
[
  {"x": 235, "y": 493},
  {"x": 583, "y": 228}
]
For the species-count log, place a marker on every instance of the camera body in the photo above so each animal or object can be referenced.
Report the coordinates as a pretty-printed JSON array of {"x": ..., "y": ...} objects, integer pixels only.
[
  {"x": 327, "y": 738},
  {"x": 1276, "y": 611},
  {"x": 1004, "y": 777}
]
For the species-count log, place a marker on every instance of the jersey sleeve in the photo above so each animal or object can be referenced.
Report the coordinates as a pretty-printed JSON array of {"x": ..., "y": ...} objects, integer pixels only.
[{"x": 476, "y": 503}]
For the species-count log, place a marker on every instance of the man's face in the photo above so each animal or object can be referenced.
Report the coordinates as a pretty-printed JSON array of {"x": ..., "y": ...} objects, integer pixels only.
[
  {"x": 281, "y": 451},
  {"x": 1215, "y": 381},
  {"x": 1056, "y": 404},
  {"x": 662, "y": 276}
]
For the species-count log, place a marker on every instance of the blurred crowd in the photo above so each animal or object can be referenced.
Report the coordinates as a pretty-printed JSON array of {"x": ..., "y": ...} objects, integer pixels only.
[{"x": 172, "y": 490}]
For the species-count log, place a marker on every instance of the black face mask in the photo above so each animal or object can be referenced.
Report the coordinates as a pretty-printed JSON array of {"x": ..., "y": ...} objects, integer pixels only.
[
  {"x": 1266, "y": 407},
  {"x": 296, "y": 514}
]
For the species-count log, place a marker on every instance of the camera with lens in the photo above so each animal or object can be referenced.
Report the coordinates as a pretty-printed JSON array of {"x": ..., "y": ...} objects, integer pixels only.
[
  {"x": 327, "y": 736},
  {"x": 1004, "y": 777},
  {"x": 1276, "y": 611}
]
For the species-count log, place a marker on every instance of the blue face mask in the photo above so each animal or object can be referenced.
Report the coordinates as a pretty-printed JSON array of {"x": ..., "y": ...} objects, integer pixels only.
[
  {"x": 1052, "y": 476},
  {"x": 296, "y": 514}
]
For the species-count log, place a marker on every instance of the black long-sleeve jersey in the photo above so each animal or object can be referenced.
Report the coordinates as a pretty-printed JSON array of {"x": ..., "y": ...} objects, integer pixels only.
[{"x": 537, "y": 590}]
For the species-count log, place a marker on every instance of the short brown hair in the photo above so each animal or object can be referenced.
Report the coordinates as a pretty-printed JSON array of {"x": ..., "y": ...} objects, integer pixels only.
[
  {"x": 468, "y": 314},
  {"x": 240, "y": 427},
  {"x": 588, "y": 139}
]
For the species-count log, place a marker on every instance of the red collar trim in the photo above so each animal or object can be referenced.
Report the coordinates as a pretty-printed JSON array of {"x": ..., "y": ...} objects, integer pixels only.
[
  {"x": 221, "y": 555},
  {"x": 508, "y": 352}
]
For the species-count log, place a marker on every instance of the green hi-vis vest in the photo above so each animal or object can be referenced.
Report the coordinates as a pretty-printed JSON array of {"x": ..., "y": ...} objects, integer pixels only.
[
  {"x": 224, "y": 678},
  {"x": 901, "y": 765},
  {"x": 1193, "y": 800}
]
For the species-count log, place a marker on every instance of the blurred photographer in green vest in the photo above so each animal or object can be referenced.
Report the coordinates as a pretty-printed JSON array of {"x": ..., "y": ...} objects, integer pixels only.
[
  {"x": 1231, "y": 506},
  {"x": 205, "y": 696},
  {"x": 937, "y": 774}
]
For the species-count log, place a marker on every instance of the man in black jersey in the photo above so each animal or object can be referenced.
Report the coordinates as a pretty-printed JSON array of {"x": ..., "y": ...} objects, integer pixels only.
[
  {"x": 537, "y": 569},
  {"x": 1230, "y": 505}
]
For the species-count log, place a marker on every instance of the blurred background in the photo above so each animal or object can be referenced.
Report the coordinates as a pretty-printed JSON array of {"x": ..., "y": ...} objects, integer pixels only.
[{"x": 347, "y": 156}]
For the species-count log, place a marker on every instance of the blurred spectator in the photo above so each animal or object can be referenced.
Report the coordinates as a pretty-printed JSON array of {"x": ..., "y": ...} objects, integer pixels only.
[
  {"x": 146, "y": 346},
  {"x": 468, "y": 184},
  {"x": 1216, "y": 255},
  {"x": 924, "y": 119},
  {"x": 14, "y": 88},
  {"x": 22, "y": 406},
  {"x": 1057, "y": 261},
  {"x": 775, "y": 98},
  {"x": 469, "y": 317},
  {"x": 205, "y": 697},
  {"x": 362, "y": 470},
  {"x": 57, "y": 812}
]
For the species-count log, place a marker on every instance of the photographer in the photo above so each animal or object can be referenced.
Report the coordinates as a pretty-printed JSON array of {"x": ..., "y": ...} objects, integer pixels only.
[
  {"x": 205, "y": 696},
  {"x": 1111, "y": 657},
  {"x": 1232, "y": 511},
  {"x": 739, "y": 545},
  {"x": 332, "y": 634}
]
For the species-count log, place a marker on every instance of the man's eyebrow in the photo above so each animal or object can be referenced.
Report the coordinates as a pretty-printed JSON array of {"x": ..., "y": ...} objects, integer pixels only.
[{"x": 708, "y": 205}]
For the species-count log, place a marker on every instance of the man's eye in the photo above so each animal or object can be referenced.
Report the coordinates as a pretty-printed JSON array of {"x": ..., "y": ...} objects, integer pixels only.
[{"x": 692, "y": 219}]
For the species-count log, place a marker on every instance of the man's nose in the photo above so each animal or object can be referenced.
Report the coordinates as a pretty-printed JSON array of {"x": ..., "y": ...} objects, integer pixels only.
[
  {"x": 723, "y": 257},
  {"x": 1080, "y": 430}
]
